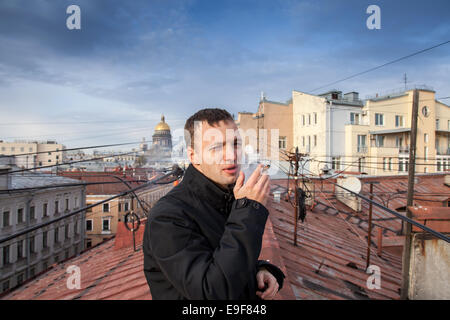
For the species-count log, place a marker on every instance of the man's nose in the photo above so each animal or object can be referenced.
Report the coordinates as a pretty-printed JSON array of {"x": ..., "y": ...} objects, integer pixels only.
[{"x": 230, "y": 153}]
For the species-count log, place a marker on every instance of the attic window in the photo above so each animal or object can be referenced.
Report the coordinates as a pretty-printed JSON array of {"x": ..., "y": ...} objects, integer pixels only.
[{"x": 334, "y": 96}]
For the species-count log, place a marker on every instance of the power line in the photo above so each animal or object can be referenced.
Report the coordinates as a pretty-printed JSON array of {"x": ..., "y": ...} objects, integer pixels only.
[
  {"x": 66, "y": 163},
  {"x": 380, "y": 66},
  {"x": 71, "y": 149}
]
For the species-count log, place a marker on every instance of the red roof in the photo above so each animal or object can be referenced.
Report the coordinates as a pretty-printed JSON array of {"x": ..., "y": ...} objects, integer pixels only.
[
  {"x": 328, "y": 262},
  {"x": 103, "y": 189}
]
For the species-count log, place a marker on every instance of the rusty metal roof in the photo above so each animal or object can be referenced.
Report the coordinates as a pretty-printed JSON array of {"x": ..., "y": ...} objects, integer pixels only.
[{"x": 328, "y": 262}]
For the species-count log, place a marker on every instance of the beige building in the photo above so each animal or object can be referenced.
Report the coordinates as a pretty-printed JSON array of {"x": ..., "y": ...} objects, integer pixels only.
[
  {"x": 270, "y": 116},
  {"x": 30, "y": 154},
  {"x": 343, "y": 133},
  {"x": 379, "y": 143}
]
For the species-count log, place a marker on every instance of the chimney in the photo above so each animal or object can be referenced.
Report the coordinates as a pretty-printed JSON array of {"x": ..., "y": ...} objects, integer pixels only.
[{"x": 5, "y": 177}]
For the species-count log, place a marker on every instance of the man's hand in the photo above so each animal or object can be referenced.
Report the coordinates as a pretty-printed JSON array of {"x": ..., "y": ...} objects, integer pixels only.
[
  {"x": 265, "y": 277},
  {"x": 257, "y": 187}
]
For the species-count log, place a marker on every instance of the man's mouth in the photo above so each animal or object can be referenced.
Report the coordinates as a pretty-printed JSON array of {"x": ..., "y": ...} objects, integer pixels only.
[{"x": 230, "y": 169}]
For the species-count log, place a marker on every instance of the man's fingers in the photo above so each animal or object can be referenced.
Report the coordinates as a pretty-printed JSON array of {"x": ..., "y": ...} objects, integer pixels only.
[
  {"x": 255, "y": 175},
  {"x": 261, "y": 182},
  {"x": 260, "y": 278},
  {"x": 239, "y": 181}
]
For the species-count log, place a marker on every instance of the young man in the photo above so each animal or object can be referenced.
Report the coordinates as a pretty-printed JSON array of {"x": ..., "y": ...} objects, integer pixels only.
[{"x": 202, "y": 240}]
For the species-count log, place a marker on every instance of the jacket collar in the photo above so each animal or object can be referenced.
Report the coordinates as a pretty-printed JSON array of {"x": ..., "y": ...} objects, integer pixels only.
[{"x": 208, "y": 190}]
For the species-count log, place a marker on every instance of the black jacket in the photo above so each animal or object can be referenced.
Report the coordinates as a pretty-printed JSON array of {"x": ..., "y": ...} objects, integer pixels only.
[{"x": 201, "y": 243}]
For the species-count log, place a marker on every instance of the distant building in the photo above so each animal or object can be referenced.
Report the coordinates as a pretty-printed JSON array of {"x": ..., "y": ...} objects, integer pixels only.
[
  {"x": 24, "y": 256},
  {"x": 102, "y": 220},
  {"x": 30, "y": 154},
  {"x": 161, "y": 147}
]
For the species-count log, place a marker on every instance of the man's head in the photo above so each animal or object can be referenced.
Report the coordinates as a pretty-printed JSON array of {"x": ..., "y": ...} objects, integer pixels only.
[{"x": 214, "y": 145}]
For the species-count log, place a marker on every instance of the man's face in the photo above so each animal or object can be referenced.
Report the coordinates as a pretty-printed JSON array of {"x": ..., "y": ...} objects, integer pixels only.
[{"x": 219, "y": 153}]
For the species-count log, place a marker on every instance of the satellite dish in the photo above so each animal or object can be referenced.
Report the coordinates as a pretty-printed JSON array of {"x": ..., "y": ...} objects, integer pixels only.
[{"x": 352, "y": 184}]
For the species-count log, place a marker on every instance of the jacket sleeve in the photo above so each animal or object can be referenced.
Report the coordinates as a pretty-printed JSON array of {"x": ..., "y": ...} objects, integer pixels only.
[
  {"x": 199, "y": 271},
  {"x": 274, "y": 270}
]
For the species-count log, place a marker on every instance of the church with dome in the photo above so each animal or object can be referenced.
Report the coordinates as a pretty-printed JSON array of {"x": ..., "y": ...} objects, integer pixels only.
[{"x": 161, "y": 147}]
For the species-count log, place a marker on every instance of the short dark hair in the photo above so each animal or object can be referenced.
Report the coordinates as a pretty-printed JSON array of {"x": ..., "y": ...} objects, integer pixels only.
[{"x": 210, "y": 115}]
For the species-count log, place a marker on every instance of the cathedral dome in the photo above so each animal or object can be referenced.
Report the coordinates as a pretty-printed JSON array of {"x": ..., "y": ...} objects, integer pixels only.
[{"x": 162, "y": 126}]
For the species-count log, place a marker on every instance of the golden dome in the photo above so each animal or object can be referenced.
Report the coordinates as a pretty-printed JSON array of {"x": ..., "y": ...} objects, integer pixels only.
[{"x": 162, "y": 126}]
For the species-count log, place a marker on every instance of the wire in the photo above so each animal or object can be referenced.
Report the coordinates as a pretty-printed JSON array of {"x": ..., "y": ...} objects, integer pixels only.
[
  {"x": 67, "y": 163},
  {"x": 71, "y": 149},
  {"x": 380, "y": 66}
]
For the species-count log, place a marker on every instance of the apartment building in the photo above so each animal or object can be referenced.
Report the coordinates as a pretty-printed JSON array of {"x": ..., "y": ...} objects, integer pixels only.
[
  {"x": 318, "y": 126},
  {"x": 102, "y": 220},
  {"x": 379, "y": 143},
  {"x": 30, "y": 154},
  {"x": 24, "y": 256},
  {"x": 272, "y": 125}
]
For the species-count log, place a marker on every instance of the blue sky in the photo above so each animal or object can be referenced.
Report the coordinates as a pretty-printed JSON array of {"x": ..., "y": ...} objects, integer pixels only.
[{"x": 133, "y": 60}]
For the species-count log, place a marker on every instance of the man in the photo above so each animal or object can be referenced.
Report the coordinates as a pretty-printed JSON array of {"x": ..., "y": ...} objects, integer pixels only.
[{"x": 202, "y": 240}]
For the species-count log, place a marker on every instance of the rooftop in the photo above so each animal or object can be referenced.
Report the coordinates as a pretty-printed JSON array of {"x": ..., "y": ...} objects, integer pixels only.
[{"x": 328, "y": 262}]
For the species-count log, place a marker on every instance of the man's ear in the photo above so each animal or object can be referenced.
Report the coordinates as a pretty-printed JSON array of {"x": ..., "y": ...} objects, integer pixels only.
[{"x": 191, "y": 155}]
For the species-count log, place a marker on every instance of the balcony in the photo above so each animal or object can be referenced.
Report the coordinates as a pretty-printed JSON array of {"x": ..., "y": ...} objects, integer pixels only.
[
  {"x": 404, "y": 149},
  {"x": 443, "y": 151},
  {"x": 361, "y": 149}
]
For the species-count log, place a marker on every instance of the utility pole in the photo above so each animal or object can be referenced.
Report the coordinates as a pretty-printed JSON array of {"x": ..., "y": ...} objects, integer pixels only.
[
  {"x": 296, "y": 195},
  {"x": 412, "y": 167}
]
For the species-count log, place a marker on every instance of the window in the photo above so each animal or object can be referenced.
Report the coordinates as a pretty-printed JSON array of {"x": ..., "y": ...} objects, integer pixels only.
[
  {"x": 303, "y": 119},
  {"x": 44, "y": 239},
  {"x": 437, "y": 124},
  {"x": 398, "y": 142},
  {"x": 282, "y": 143},
  {"x": 361, "y": 163},
  {"x": 75, "y": 203},
  {"x": 303, "y": 141},
  {"x": 6, "y": 219},
  {"x": 315, "y": 119},
  {"x": 6, "y": 255},
  {"x": 399, "y": 121},
  {"x": 89, "y": 225},
  {"x": 425, "y": 153},
  {"x": 126, "y": 206},
  {"x": 384, "y": 164},
  {"x": 439, "y": 166},
  {"x": 32, "y": 213},
  {"x": 106, "y": 207},
  {"x": 425, "y": 170},
  {"x": 67, "y": 204},
  {"x": 32, "y": 245},
  {"x": 22, "y": 149},
  {"x": 66, "y": 231},
  {"x": 20, "y": 278},
  {"x": 105, "y": 224},
  {"x": 5, "y": 285},
  {"x": 362, "y": 143},
  {"x": 13, "y": 149},
  {"x": 88, "y": 243},
  {"x": 336, "y": 163},
  {"x": 56, "y": 234},
  {"x": 19, "y": 249},
  {"x": 315, "y": 140},
  {"x": 354, "y": 118},
  {"x": 390, "y": 164},
  {"x": 56, "y": 207},
  {"x": 44, "y": 210},
  {"x": 20, "y": 215},
  {"x": 379, "y": 142},
  {"x": 309, "y": 119},
  {"x": 49, "y": 160},
  {"x": 379, "y": 119},
  {"x": 425, "y": 137}
]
